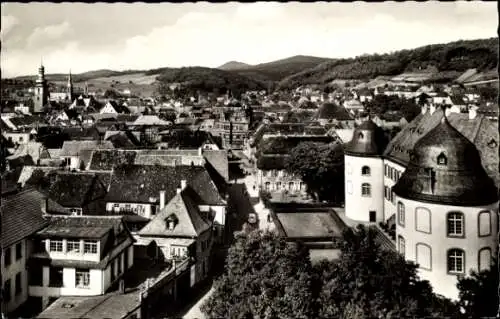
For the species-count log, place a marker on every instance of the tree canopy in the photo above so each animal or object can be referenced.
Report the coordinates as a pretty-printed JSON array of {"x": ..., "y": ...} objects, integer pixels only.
[
  {"x": 369, "y": 282},
  {"x": 321, "y": 167},
  {"x": 265, "y": 277}
]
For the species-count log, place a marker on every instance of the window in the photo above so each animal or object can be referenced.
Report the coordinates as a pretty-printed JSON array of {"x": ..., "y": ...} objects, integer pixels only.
[
  {"x": 386, "y": 170},
  {"x": 56, "y": 245},
  {"x": 424, "y": 256},
  {"x": 456, "y": 261},
  {"x": 82, "y": 278},
  {"x": 268, "y": 185},
  {"x": 455, "y": 224},
  {"x": 484, "y": 259},
  {"x": 401, "y": 245},
  {"x": 19, "y": 251},
  {"x": 365, "y": 171},
  {"x": 391, "y": 172},
  {"x": 423, "y": 220},
  {"x": 393, "y": 198},
  {"x": 7, "y": 259},
  {"x": 55, "y": 277},
  {"x": 112, "y": 271},
  {"x": 19, "y": 286},
  {"x": 441, "y": 159},
  {"x": 401, "y": 214},
  {"x": 119, "y": 264},
  {"x": 291, "y": 186},
  {"x": 6, "y": 291},
  {"x": 349, "y": 187},
  {"x": 278, "y": 185},
  {"x": 366, "y": 190},
  {"x": 73, "y": 246},
  {"x": 484, "y": 223},
  {"x": 90, "y": 247},
  {"x": 349, "y": 169}
]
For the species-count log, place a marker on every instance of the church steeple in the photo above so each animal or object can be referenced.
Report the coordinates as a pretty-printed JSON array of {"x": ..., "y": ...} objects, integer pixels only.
[
  {"x": 41, "y": 91},
  {"x": 70, "y": 87}
]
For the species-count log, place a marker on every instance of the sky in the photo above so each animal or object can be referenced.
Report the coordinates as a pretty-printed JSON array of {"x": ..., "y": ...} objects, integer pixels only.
[{"x": 84, "y": 37}]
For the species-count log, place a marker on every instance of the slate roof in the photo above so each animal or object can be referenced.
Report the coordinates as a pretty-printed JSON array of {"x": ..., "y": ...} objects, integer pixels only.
[
  {"x": 138, "y": 183},
  {"x": 74, "y": 148},
  {"x": 189, "y": 222},
  {"x": 368, "y": 140},
  {"x": 479, "y": 131},
  {"x": 21, "y": 216},
  {"x": 27, "y": 172},
  {"x": 73, "y": 189},
  {"x": 219, "y": 161}
]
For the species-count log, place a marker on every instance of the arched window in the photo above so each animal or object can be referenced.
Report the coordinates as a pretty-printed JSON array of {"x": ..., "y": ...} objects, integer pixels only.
[
  {"x": 484, "y": 259},
  {"x": 349, "y": 187},
  {"x": 401, "y": 245},
  {"x": 424, "y": 256},
  {"x": 455, "y": 224},
  {"x": 365, "y": 171},
  {"x": 366, "y": 190},
  {"x": 442, "y": 160},
  {"x": 484, "y": 223},
  {"x": 401, "y": 214},
  {"x": 423, "y": 220},
  {"x": 456, "y": 261}
]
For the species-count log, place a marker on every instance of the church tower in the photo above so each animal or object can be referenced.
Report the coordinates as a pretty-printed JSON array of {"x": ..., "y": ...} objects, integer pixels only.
[
  {"x": 69, "y": 92},
  {"x": 41, "y": 91}
]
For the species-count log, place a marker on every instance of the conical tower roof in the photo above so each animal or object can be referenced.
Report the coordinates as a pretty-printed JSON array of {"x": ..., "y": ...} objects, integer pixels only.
[{"x": 368, "y": 140}]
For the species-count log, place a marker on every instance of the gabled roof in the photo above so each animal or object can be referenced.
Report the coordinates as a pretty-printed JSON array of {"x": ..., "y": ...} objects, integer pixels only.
[
  {"x": 73, "y": 189},
  {"x": 182, "y": 209},
  {"x": 139, "y": 183},
  {"x": 150, "y": 120},
  {"x": 107, "y": 159},
  {"x": 21, "y": 216},
  {"x": 35, "y": 150},
  {"x": 219, "y": 161},
  {"x": 28, "y": 170},
  {"x": 74, "y": 148},
  {"x": 332, "y": 111}
]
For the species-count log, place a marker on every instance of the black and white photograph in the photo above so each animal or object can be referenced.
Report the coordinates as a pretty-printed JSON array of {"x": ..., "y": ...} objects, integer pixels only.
[{"x": 264, "y": 160}]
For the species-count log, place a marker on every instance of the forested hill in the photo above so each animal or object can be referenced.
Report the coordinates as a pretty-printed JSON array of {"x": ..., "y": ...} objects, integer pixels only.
[{"x": 443, "y": 59}]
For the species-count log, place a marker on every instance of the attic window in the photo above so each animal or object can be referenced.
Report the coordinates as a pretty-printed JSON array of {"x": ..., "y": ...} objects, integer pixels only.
[
  {"x": 171, "y": 221},
  {"x": 441, "y": 159},
  {"x": 492, "y": 143}
]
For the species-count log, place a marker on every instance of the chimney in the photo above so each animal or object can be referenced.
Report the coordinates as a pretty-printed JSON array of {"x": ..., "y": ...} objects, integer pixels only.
[
  {"x": 472, "y": 112},
  {"x": 183, "y": 184},
  {"x": 43, "y": 205},
  {"x": 162, "y": 199},
  {"x": 432, "y": 109},
  {"x": 121, "y": 286},
  {"x": 200, "y": 151}
]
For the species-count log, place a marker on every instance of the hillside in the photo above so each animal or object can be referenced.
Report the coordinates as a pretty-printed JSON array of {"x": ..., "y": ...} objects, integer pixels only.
[
  {"x": 280, "y": 69},
  {"x": 208, "y": 80},
  {"x": 234, "y": 65},
  {"x": 448, "y": 61}
]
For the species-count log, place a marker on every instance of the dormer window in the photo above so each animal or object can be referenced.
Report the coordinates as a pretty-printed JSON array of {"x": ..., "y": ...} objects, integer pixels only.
[
  {"x": 171, "y": 221},
  {"x": 492, "y": 143},
  {"x": 442, "y": 160}
]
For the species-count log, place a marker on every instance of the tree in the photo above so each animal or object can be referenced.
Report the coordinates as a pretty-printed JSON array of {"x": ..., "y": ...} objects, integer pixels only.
[
  {"x": 369, "y": 282},
  {"x": 265, "y": 277},
  {"x": 321, "y": 167},
  {"x": 478, "y": 297}
]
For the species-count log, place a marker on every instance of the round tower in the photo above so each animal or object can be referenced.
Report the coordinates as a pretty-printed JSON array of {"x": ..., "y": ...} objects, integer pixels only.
[
  {"x": 364, "y": 174},
  {"x": 447, "y": 208}
]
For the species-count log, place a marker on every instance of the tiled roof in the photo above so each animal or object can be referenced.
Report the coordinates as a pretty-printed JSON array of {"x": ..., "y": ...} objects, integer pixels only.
[
  {"x": 21, "y": 216},
  {"x": 81, "y": 227},
  {"x": 121, "y": 140},
  {"x": 74, "y": 189},
  {"x": 138, "y": 183},
  {"x": 150, "y": 120},
  {"x": 107, "y": 159},
  {"x": 28, "y": 170},
  {"x": 332, "y": 111},
  {"x": 189, "y": 221},
  {"x": 219, "y": 160},
  {"x": 479, "y": 130},
  {"x": 74, "y": 148},
  {"x": 35, "y": 150}
]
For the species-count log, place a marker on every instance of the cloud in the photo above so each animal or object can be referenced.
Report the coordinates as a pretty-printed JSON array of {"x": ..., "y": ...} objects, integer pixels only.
[
  {"x": 43, "y": 36},
  {"x": 8, "y": 23},
  {"x": 252, "y": 33}
]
